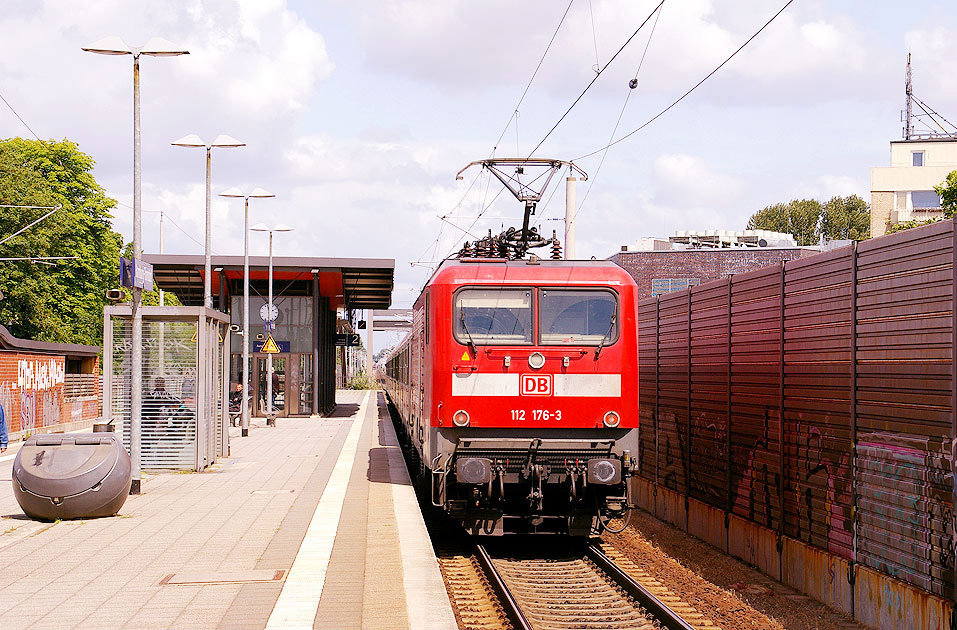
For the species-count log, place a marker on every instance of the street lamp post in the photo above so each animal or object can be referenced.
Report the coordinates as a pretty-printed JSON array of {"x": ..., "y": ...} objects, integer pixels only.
[
  {"x": 225, "y": 142},
  {"x": 259, "y": 193},
  {"x": 155, "y": 47},
  {"x": 259, "y": 227}
]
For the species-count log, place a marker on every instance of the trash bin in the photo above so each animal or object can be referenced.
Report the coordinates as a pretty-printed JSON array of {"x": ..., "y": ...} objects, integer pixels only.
[{"x": 71, "y": 475}]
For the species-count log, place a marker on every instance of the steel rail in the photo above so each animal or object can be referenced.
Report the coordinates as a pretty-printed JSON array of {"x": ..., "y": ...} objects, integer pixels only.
[
  {"x": 667, "y": 617},
  {"x": 511, "y": 608}
]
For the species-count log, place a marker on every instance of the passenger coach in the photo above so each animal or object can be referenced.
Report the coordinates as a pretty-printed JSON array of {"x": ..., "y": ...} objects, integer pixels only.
[{"x": 518, "y": 391}]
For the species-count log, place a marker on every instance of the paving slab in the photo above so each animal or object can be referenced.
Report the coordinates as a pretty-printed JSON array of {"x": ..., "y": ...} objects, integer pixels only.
[{"x": 220, "y": 548}]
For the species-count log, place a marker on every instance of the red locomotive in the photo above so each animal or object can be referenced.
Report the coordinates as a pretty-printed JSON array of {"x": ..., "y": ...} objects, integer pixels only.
[{"x": 517, "y": 388}]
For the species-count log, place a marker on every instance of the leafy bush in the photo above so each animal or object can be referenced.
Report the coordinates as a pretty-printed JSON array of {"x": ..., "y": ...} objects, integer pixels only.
[{"x": 362, "y": 381}]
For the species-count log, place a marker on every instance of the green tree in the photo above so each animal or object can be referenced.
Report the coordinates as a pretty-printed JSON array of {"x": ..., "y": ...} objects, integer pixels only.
[
  {"x": 844, "y": 218},
  {"x": 799, "y": 217},
  {"x": 948, "y": 195},
  {"x": 62, "y": 302}
]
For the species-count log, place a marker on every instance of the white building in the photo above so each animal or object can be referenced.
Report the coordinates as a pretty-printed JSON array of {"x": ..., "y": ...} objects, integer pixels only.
[{"x": 904, "y": 191}]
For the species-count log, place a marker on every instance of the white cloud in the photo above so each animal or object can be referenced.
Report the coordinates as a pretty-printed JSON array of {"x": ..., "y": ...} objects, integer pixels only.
[
  {"x": 823, "y": 187},
  {"x": 462, "y": 46},
  {"x": 689, "y": 179},
  {"x": 251, "y": 67}
]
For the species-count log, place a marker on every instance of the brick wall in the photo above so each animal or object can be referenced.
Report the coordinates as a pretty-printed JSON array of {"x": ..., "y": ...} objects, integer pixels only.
[
  {"x": 882, "y": 206},
  {"x": 32, "y": 393},
  {"x": 700, "y": 264}
]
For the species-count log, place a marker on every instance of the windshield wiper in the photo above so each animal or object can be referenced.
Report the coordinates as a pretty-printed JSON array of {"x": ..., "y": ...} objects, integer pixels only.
[
  {"x": 466, "y": 328},
  {"x": 601, "y": 344}
]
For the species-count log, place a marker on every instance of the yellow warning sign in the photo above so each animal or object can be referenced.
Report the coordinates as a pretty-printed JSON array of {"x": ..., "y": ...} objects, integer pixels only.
[
  {"x": 465, "y": 356},
  {"x": 270, "y": 345},
  {"x": 218, "y": 334}
]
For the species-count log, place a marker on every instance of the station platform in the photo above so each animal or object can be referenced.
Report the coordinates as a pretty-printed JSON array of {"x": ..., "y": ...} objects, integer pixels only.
[{"x": 312, "y": 524}]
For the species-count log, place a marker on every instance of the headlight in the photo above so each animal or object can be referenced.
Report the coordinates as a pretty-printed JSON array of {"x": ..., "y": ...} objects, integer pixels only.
[
  {"x": 460, "y": 418},
  {"x": 473, "y": 470},
  {"x": 604, "y": 471},
  {"x": 536, "y": 360},
  {"x": 611, "y": 419}
]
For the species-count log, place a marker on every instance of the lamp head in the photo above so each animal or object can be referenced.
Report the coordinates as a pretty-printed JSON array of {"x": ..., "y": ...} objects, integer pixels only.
[
  {"x": 155, "y": 47},
  {"x": 112, "y": 45},
  {"x": 259, "y": 227},
  {"x": 232, "y": 192},
  {"x": 259, "y": 192},
  {"x": 282, "y": 227},
  {"x": 192, "y": 140},
  {"x": 159, "y": 47},
  {"x": 224, "y": 141}
]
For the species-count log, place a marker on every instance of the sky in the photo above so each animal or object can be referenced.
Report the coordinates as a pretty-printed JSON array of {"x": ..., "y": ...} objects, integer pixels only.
[{"x": 359, "y": 115}]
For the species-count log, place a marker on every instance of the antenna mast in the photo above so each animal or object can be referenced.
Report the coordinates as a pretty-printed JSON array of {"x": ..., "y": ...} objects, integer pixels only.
[
  {"x": 933, "y": 124},
  {"x": 908, "y": 103}
]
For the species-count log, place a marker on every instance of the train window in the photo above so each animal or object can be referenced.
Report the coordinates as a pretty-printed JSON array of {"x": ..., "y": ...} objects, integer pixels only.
[
  {"x": 493, "y": 316},
  {"x": 577, "y": 318}
]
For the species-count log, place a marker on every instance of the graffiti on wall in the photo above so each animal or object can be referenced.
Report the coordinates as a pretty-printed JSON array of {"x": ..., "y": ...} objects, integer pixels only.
[
  {"x": 756, "y": 483},
  {"x": 39, "y": 375},
  {"x": 709, "y": 453},
  {"x": 672, "y": 458},
  {"x": 34, "y": 398},
  {"x": 822, "y": 478},
  {"x": 905, "y": 484}
]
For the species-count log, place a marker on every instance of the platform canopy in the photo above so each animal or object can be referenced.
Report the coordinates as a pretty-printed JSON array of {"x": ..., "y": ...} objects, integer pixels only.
[{"x": 352, "y": 283}]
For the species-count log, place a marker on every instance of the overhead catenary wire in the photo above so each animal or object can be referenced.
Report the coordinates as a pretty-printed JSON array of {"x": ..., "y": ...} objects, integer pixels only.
[
  {"x": 595, "y": 78},
  {"x": 692, "y": 89},
  {"x": 434, "y": 246},
  {"x": 514, "y": 116},
  {"x": 20, "y": 118},
  {"x": 476, "y": 220},
  {"x": 611, "y": 136},
  {"x": 594, "y": 35},
  {"x": 180, "y": 228},
  {"x": 32, "y": 223},
  {"x": 534, "y": 74}
]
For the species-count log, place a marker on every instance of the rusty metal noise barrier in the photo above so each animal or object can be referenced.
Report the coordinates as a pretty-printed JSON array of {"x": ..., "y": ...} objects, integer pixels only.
[{"x": 815, "y": 399}]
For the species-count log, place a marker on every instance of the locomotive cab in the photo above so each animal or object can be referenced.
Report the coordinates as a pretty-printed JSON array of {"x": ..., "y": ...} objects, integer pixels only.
[{"x": 526, "y": 378}]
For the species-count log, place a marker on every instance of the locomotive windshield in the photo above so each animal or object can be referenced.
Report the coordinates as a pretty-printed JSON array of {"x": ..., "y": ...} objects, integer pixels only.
[
  {"x": 580, "y": 318},
  {"x": 493, "y": 316}
]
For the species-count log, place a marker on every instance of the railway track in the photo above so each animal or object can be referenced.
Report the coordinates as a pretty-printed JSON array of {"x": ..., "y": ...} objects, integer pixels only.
[{"x": 583, "y": 589}]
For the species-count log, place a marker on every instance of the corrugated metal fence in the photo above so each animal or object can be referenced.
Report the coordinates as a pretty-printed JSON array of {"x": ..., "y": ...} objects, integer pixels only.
[{"x": 816, "y": 399}]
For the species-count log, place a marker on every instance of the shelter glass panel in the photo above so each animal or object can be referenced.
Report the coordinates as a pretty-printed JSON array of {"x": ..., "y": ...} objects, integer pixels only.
[{"x": 169, "y": 391}]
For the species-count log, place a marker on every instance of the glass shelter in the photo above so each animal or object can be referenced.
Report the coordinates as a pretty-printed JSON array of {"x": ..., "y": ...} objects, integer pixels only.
[{"x": 184, "y": 423}]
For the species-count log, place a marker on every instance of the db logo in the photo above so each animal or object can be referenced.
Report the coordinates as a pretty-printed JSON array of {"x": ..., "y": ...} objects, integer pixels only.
[{"x": 536, "y": 384}]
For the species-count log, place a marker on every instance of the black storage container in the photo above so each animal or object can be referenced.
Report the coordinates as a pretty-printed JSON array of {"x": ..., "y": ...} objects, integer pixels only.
[{"x": 72, "y": 475}]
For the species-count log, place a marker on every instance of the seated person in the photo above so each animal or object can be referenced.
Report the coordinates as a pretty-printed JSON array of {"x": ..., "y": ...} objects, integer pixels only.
[{"x": 236, "y": 397}]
